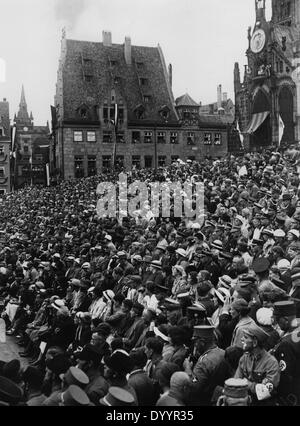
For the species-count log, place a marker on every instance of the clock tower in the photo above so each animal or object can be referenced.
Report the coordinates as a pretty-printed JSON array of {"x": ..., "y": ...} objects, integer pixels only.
[{"x": 270, "y": 91}]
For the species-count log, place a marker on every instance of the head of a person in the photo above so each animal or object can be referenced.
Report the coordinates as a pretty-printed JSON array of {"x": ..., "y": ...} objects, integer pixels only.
[
  {"x": 89, "y": 358},
  {"x": 180, "y": 383},
  {"x": 203, "y": 338},
  {"x": 137, "y": 310},
  {"x": 127, "y": 306},
  {"x": 153, "y": 347},
  {"x": 118, "y": 300},
  {"x": 177, "y": 336},
  {"x": 239, "y": 308},
  {"x": 165, "y": 372},
  {"x": 149, "y": 316},
  {"x": 284, "y": 315},
  {"x": 138, "y": 358},
  {"x": 253, "y": 337}
]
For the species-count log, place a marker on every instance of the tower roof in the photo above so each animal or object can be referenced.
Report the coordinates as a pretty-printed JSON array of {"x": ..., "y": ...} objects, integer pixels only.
[
  {"x": 186, "y": 100},
  {"x": 23, "y": 118}
]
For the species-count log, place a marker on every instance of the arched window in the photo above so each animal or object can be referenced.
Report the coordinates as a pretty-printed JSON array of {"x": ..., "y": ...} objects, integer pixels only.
[{"x": 286, "y": 111}]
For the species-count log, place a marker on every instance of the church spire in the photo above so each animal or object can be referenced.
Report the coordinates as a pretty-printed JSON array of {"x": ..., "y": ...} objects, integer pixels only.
[{"x": 23, "y": 119}]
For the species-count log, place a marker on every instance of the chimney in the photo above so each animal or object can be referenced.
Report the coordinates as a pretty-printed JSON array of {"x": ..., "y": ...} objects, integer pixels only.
[
  {"x": 225, "y": 97},
  {"x": 219, "y": 96},
  {"x": 170, "y": 75},
  {"x": 127, "y": 50},
  {"x": 106, "y": 38}
]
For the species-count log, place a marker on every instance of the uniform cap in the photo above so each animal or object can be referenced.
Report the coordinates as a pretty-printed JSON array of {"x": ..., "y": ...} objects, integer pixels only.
[
  {"x": 75, "y": 376},
  {"x": 74, "y": 396},
  {"x": 255, "y": 331},
  {"x": 236, "y": 388},
  {"x": 284, "y": 309},
  {"x": 279, "y": 233},
  {"x": 203, "y": 331},
  {"x": 117, "y": 397}
]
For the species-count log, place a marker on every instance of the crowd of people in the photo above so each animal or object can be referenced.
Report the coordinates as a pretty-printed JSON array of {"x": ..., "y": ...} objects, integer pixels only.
[{"x": 154, "y": 311}]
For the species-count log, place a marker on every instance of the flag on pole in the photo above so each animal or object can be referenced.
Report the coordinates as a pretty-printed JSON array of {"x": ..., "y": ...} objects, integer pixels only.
[
  {"x": 13, "y": 140},
  {"x": 48, "y": 174},
  {"x": 281, "y": 130},
  {"x": 240, "y": 133},
  {"x": 115, "y": 124}
]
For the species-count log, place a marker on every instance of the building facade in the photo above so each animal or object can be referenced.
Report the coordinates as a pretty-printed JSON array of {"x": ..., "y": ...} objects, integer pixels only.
[
  {"x": 5, "y": 144},
  {"x": 31, "y": 149},
  {"x": 268, "y": 99},
  {"x": 107, "y": 93}
]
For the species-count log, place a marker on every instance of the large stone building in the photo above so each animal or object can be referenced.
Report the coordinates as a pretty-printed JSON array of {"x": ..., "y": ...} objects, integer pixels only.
[
  {"x": 95, "y": 79},
  {"x": 31, "y": 148},
  {"x": 268, "y": 99},
  {"x": 5, "y": 144}
]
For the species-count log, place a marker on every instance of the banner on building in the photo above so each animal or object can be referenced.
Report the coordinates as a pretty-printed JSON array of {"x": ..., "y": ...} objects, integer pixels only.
[
  {"x": 281, "y": 130},
  {"x": 240, "y": 134},
  {"x": 48, "y": 174}
]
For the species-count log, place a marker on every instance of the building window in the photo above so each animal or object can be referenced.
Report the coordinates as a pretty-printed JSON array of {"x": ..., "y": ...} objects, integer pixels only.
[
  {"x": 120, "y": 137},
  {"x": 77, "y": 136},
  {"x": 136, "y": 161},
  {"x": 113, "y": 62},
  {"x": 92, "y": 166},
  {"x": 120, "y": 161},
  {"x": 174, "y": 158},
  {"x": 143, "y": 81},
  {"x": 2, "y": 191},
  {"x": 162, "y": 159},
  {"x": 91, "y": 136},
  {"x": 2, "y": 172},
  {"x": 79, "y": 169},
  {"x": 148, "y": 161},
  {"x": 39, "y": 157},
  {"x": 105, "y": 114},
  {"x": 88, "y": 78},
  {"x": 140, "y": 112},
  {"x": 136, "y": 137},
  {"x": 26, "y": 148},
  {"x": 191, "y": 138},
  {"x": 139, "y": 64},
  {"x": 207, "y": 138},
  {"x": 120, "y": 115},
  {"x": 218, "y": 139},
  {"x": 83, "y": 112},
  {"x": 106, "y": 162},
  {"x": 161, "y": 137},
  {"x": 1, "y": 150},
  {"x": 1, "y": 131},
  {"x": 146, "y": 99},
  {"x": 148, "y": 137},
  {"x": 173, "y": 138},
  {"x": 107, "y": 137},
  {"x": 281, "y": 67}
]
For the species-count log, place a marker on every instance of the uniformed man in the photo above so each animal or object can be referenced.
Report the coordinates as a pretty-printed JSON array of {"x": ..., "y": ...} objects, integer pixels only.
[
  {"x": 210, "y": 368},
  {"x": 287, "y": 353},
  {"x": 257, "y": 366}
]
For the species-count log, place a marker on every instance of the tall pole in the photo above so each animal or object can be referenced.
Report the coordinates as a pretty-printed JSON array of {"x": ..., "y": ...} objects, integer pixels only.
[{"x": 155, "y": 150}]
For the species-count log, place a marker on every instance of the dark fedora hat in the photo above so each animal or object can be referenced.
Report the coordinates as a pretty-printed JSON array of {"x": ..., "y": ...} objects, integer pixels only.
[{"x": 9, "y": 391}]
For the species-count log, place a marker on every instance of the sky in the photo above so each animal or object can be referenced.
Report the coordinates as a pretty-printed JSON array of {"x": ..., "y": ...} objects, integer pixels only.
[{"x": 201, "y": 39}]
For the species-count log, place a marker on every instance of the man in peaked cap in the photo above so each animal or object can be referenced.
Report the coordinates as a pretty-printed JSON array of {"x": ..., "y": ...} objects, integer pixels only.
[
  {"x": 74, "y": 376},
  {"x": 118, "y": 397},
  {"x": 263, "y": 376},
  {"x": 74, "y": 396},
  {"x": 208, "y": 370},
  {"x": 235, "y": 393},
  {"x": 287, "y": 353}
]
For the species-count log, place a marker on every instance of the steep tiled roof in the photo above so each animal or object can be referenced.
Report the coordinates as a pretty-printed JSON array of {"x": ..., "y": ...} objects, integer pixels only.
[
  {"x": 185, "y": 100},
  {"x": 217, "y": 121},
  {"x": 104, "y": 64}
]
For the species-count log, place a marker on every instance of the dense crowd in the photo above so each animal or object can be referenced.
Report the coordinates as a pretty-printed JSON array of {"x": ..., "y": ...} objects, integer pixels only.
[{"x": 150, "y": 310}]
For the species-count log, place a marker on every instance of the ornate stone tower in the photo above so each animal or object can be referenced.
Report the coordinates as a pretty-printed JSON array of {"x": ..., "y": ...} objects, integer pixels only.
[
  {"x": 23, "y": 119},
  {"x": 270, "y": 92}
]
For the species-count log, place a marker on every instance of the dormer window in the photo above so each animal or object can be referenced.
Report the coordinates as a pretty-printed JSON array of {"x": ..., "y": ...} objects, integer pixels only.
[
  {"x": 113, "y": 62},
  {"x": 1, "y": 150},
  {"x": 139, "y": 64},
  {"x": 164, "y": 112},
  {"x": 83, "y": 112},
  {"x": 146, "y": 99}
]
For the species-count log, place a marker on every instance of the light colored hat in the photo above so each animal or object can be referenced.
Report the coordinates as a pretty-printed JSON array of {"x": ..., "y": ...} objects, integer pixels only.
[
  {"x": 57, "y": 304},
  {"x": 264, "y": 316},
  {"x": 294, "y": 232},
  {"x": 217, "y": 244},
  {"x": 284, "y": 264},
  {"x": 181, "y": 252},
  {"x": 279, "y": 233},
  {"x": 225, "y": 281},
  {"x": 57, "y": 255},
  {"x": 108, "y": 237},
  {"x": 86, "y": 265},
  {"x": 222, "y": 293}
]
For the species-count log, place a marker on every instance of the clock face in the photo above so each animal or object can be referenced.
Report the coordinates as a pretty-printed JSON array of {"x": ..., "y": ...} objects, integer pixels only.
[
  {"x": 258, "y": 41},
  {"x": 25, "y": 129}
]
